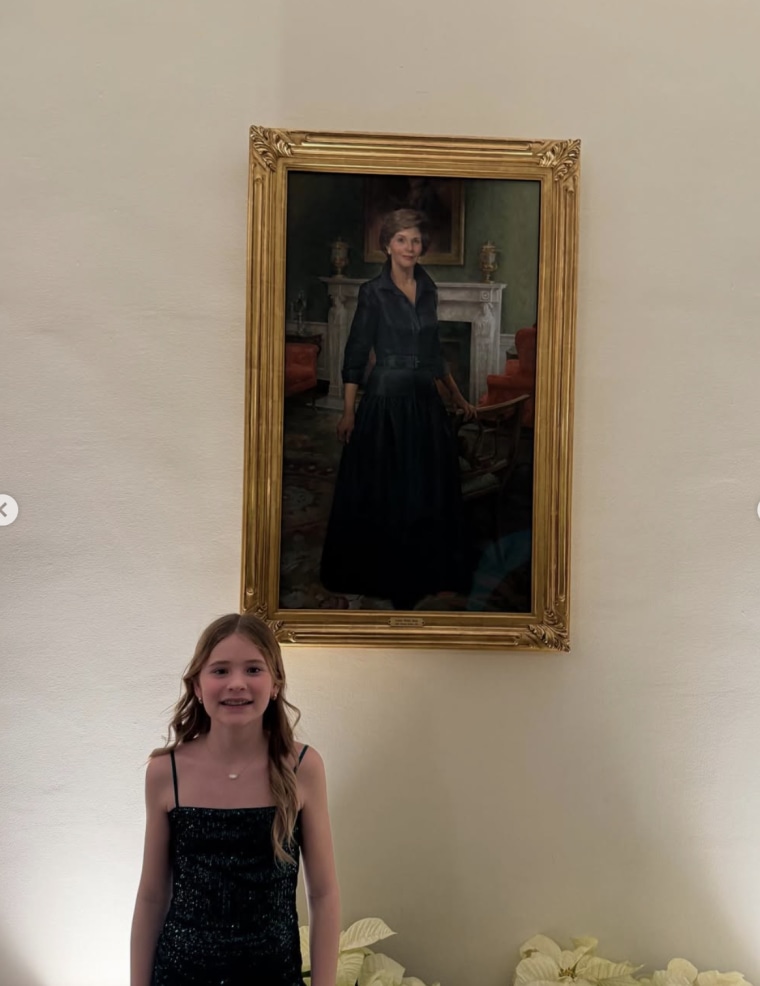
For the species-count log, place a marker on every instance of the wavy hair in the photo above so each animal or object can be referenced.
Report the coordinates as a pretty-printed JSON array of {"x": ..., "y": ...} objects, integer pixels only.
[{"x": 190, "y": 720}]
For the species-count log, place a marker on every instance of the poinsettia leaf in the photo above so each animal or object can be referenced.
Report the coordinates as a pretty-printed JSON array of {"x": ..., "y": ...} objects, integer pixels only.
[
  {"x": 363, "y": 933},
  {"x": 603, "y": 971},
  {"x": 548, "y": 982},
  {"x": 379, "y": 978},
  {"x": 536, "y": 968},
  {"x": 585, "y": 944},
  {"x": 376, "y": 963},
  {"x": 349, "y": 966},
  {"x": 625, "y": 979},
  {"x": 570, "y": 959},
  {"x": 303, "y": 934},
  {"x": 682, "y": 970},
  {"x": 715, "y": 978},
  {"x": 542, "y": 944},
  {"x": 606, "y": 969}
]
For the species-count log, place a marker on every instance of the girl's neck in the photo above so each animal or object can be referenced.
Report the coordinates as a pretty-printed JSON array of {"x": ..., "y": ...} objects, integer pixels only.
[{"x": 225, "y": 744}]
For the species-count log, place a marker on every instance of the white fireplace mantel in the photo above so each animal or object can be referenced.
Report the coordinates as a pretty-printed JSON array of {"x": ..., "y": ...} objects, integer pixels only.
[{"x": 458, "y": 301}]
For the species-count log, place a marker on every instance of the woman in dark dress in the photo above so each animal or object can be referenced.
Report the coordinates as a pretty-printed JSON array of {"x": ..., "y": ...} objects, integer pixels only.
[{"x": 395, "y": 529}]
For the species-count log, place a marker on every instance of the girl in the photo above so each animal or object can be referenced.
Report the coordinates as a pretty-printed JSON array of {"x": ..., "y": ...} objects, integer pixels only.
[{"x": 231, "y": 804}]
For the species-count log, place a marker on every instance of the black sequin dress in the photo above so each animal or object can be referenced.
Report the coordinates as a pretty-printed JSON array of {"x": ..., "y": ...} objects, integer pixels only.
[{"x": 232, "y": 920}]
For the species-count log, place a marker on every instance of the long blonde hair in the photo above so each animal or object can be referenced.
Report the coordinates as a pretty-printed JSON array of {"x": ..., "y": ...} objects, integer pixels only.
[{"x": 190, "y": 720}]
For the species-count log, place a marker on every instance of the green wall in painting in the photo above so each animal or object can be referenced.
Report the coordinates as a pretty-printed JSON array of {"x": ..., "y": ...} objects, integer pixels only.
[{"x": 322, "y": 207}]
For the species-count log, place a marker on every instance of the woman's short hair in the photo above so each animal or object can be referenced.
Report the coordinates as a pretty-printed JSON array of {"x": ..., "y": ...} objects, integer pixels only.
[{"x": 394, "y": 222}]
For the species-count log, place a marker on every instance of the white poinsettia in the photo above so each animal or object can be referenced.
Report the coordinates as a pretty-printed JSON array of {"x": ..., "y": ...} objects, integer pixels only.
[
  {"x": 544, "y": 963},
  {"x": 681, "y": 972},
  {"x": 358, "y": 965}
]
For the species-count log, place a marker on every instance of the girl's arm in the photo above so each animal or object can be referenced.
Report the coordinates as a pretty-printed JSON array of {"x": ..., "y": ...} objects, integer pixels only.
[
  {"x": 319, "y": 870},
  {"x": 153, "y": 891}
]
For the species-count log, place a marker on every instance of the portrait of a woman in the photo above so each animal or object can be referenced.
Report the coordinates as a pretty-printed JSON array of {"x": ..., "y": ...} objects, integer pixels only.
[{"x": 395, "y": 527}]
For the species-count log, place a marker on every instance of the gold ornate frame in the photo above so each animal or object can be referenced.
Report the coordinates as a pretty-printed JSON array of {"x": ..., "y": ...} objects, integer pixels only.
[{"x": 553, "y": 163}]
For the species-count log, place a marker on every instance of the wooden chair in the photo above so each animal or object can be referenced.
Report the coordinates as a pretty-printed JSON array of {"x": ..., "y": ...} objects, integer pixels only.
[{"x": 488, "y": 448}]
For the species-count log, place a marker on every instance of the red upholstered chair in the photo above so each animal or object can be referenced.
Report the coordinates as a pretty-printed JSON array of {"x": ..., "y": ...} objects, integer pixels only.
[
  {"x": 300, "y": 368},
  {"x": 519, "y": 377}
]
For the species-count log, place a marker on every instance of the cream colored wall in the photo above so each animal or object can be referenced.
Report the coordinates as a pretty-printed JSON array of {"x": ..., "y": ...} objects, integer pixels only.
[{"x": 477, "y": 797}]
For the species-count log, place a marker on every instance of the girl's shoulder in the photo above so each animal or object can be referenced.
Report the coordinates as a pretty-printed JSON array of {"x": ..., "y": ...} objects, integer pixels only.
[
  {"x": 161, "y": 772},
  {"x": 159, "y": 763},
  {"x": 309, "y": 763},
  {"x": 159, "y": 782},
  {"x": 181, "y": 752},
  {"x": 188, "y": 751},
  {"x": 312, "y": 783}
]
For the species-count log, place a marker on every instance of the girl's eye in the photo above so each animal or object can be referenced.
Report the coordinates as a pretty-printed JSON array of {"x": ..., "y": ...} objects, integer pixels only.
[
  {"x": 254, "y": 670},
  {"x": 219, "y": 671}
]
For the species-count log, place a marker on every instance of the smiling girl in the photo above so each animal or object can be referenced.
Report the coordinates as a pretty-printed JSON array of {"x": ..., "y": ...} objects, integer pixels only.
[{"x": 232, "y": 803}]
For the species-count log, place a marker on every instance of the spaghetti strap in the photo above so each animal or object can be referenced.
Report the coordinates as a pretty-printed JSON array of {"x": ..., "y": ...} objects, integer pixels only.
[
  {"x": 174, "y": 776},
  {"x": 300, "y": 757}
]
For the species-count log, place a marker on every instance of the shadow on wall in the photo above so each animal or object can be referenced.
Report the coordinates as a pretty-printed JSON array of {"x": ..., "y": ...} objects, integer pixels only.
[
  {"x": 390, "y": 799},
  {"x": 471, "y": 818},
  {"x": 14, "y": 970},
  {"x": 589, "y": 827}
]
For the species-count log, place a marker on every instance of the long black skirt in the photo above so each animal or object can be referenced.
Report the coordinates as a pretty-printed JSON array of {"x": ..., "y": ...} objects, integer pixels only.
[{"x": 395, "y": 528}]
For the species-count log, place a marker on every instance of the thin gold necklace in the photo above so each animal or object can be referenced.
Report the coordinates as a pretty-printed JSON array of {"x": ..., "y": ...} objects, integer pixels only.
[{"x": 234, "y": 777}]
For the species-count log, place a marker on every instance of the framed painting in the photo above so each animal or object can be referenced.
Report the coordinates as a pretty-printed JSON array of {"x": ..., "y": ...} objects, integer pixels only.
[
  {"x": 409, "y": 389},
  {"x": 441, "y": 200}
]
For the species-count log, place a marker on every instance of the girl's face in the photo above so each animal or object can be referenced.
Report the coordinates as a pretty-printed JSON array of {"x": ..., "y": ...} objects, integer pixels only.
[
  {"x": 405, "y": 248},
  {"x": 235, "y": 684}
]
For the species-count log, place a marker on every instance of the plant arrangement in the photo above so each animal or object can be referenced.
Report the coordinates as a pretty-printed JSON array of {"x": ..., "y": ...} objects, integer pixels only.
[
  {"x": 544, "y": 963},
  {"x": 358, "y": 965}
]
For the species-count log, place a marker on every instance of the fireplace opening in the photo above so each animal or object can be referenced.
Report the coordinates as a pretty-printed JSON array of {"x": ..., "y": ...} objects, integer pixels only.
[{"x": 455, "y": 345}]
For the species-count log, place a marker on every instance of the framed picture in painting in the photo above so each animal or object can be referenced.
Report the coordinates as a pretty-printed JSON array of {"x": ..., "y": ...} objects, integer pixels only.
[
  {"x": 440, "y": 200},
  {"x": 409, "y": 389}
]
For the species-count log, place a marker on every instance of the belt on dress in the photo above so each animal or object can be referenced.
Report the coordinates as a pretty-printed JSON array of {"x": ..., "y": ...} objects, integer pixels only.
[{"x": 404, "y": 363}]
